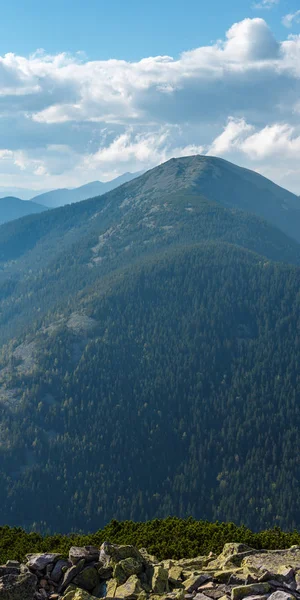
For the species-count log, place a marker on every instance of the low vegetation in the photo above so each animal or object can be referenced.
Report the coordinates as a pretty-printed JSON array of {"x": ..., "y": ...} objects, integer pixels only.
[{"x": 166, "y": 538}]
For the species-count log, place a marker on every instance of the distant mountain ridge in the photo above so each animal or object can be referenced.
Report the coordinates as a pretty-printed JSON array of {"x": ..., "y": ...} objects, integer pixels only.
[
  {"x": 13, "y": 208},
  {"x": 60, "y": 197}
]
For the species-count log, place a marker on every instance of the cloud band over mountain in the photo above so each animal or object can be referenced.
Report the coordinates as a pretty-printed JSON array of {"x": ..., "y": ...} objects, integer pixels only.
[{"x": 66, "y": 120}]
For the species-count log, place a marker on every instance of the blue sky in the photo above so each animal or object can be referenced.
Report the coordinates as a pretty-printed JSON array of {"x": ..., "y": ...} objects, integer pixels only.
[
  {"x": 91, "y": 89},
  {"x": 128, "y": 29}
]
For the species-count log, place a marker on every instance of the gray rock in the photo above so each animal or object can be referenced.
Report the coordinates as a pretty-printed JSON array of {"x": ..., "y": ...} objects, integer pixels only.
[
  {"x": 193, "y": 582},
  {"x": 18, "y": 587},
  {"x": 89, "y": 553},
  {"x": 57, "y": 572},
  {"x": 70, "y": 574},
  {"x": 87, "y": 579},
  {"x": 280, "y": 595},
  {"x": 5, "y": 570},
  {"x": 13, "y": 563},
  {"x": 39, "y": 562}
]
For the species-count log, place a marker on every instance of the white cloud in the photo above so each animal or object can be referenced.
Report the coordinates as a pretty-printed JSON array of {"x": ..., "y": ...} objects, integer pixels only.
[
  {"x": 65, "y": 120},
  {"x": 291, "y": 18},
  {"x": 266, "y": 4},
  {"x": 272, "y": 150}
]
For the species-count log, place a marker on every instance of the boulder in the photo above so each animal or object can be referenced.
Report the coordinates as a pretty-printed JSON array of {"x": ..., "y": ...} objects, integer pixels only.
[
  {"x": 17, "y": 587},
  {"x": 87, "y": 579},
  {"x": 89, "y": 553},
  {"x": 148, "y": 558},
  {"x": 111, "y": 587},
  {"x": 112, "y": 553},
  {"x": 231, "y": 549},
  {"x": 175, "y": 575},
  {"x": 192, "y": 584},
  {"x": 57, "y": 571},
  {"x": 159, "y": 580},
  {"x": 125, "y": 568},
  {"x": 70, "y": 574},
  {"x": 280, "y": 595},
  {"x": 39, "y": 562},
  {"x": 74, "y": 593},
  {"x": 105, "y": 572},
  {"x": 130, "y": 589},
  {"x": 242, "y": 591}
]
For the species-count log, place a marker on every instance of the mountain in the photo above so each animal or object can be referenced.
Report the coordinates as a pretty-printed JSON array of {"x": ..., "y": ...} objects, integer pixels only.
[
  {"x": 22, "y": 193},
  {"x": 60, "y": 197},
  {"x": 13, "y": 208},
  {"x": 149, "y": 358}
]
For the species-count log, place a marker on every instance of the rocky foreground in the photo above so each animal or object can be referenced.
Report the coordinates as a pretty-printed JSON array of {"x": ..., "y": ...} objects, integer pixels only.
[{"x": 130, "y": 574}]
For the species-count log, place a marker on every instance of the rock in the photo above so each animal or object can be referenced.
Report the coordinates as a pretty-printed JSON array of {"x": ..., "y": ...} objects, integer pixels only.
[
  {"x": 17, "y": 587},
  {"x": 217, "y": 592},
  {"x": 193, "y": 564},
  {"x": 5, "y": 570},
  {"x": 13, "y": 563},
  {"x": 39, "y": 562},
  {"x": 159, "y": 580},
  {"x": 112, "y": 553},
  {"x": 111, "y": 587},
  {"x": 201, "y": 596},
  {"x": 74, "y": 593},
  {"x": 130, "y": 589},
  {"x": 125, "y": 568},
  {"x": 231, "y": 549},
  {"x": 57, "y": 571},
  {"x": 100, "y": 591},
  {"x": 243, "y": 591},
  {"x": 70, "y": 574},
  {"x": 105, "y": 572},
  {"x": 224, "y": 576},
  {"x": 87, "y": 579},
  {"x": 175, "y": 574},
  {"x": 280, "y": 595},
  {"x": 210, "y": 585},
  {"x": 192, "y": 584},
  {"x": 89, "y": 553},
  {"x": 149, "y": 558}
]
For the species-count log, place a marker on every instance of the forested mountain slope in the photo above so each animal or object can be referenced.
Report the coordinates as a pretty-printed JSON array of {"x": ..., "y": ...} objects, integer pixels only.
[
  {"x": 47, "y": 259},
  {"x": 173, "y": 389},
  {"x": 149, "y": 354},
  {"x": 13, "y": 208}
]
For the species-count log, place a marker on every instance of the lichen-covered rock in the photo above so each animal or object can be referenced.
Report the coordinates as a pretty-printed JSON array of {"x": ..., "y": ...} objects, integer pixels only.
[
  {"x": 74, "y": 593},
  {"x": 192, "y": 584},
  {"x": 111, "y": 587},
  {"x": 242, "y": 591},
  {"x": 17, "y": 587},
  {"x": 130, "y": 589},
  {"x": 112, "y": 553},
  {"x": 125, "y": 568},
  {"x": 148, "y": 558},
  {"x": 231, "y": 549},
  {"x": 87, "y": 579},
  {"x": 175, "y": 575},
  {"x": 159, "y": 580}
]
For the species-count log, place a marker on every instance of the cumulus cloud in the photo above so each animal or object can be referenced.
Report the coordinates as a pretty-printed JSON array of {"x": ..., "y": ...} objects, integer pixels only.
[
  {"x": 65, "y": 119},
  {"x": 291, "y": 18}
]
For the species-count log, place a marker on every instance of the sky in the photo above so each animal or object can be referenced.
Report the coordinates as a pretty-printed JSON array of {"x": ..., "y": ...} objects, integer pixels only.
[{"x": 90, "y": 90}]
